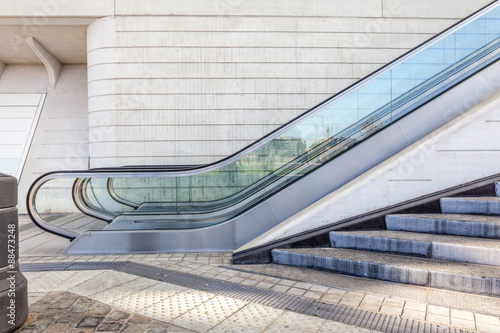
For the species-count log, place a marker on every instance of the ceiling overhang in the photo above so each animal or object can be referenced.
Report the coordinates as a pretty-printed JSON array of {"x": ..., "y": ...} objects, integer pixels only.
[{"x": 64, "y": 38}]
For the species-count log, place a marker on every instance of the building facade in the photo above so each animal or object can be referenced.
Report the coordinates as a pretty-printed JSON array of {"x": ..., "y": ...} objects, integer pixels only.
[{"x": 120, "y": 82}]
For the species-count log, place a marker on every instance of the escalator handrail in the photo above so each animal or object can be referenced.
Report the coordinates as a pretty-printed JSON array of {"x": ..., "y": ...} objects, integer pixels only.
[
  {"x": 84, "y": 204},
  {"x": 478, "y": 60},
  {"x": 112, "y": 193},
  {"x": 133, "y": 172}
]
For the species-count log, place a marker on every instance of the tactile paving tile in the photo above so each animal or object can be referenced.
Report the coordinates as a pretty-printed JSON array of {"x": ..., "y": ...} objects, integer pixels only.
[
  {"x": 209, "y": 314},
  {"x": 335, "y": 327},
  {"x": 124, "y": 290},
  {"x": 142, "y": 299},
  {"x": 168, "y": 310},
  {"x": 251, "y": 318},
  {"x": 99, "y": 265},
  {"x": 176, "y": 305},
  {"x": 48, "y": 266},
  {"x": 101, "y": 282},
  {"x": 291, "y": 321}
]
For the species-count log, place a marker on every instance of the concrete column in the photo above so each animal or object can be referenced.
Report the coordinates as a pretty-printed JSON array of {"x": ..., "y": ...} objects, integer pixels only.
[
  {"x": 13, "y": 284},
  {"x": 103, "y": 113}
]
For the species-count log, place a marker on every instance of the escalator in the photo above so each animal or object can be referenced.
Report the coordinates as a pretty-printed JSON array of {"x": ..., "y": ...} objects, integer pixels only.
[{"x": 223, "y": 205}]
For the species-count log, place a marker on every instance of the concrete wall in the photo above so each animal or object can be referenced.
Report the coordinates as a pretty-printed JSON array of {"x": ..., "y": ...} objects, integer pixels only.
[
  {"x": 174, "y": 82},
  {"x": 316, "y": 8},
  {"x": 24, "y": 80},
  {"x": 18, "y": 120},
  {"x": 333, "y": 8},
  {"x": 56, "y": 8},
  {"x": 462, "y": 151},
  {"x": 60, "y": 141}
]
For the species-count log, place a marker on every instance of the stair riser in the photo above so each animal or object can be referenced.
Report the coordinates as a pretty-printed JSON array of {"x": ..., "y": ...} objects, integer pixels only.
[
  {"x": 465, "y": 283},
  {"x": 443, "y": 227},
  {"x": 435, "y": 250},
  {"x": 399, "y": 274},
  {"x": 473, "y": 255},
  {"x": 452, "y": 206},
  {"x": 352, "y": 267},
  {"x": 380, "y": 244}
]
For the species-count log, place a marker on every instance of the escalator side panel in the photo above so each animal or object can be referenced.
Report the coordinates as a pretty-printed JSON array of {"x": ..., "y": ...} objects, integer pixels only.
[
  {"x": 296, "y": 197},
  {"x": 218, "y": 238}
]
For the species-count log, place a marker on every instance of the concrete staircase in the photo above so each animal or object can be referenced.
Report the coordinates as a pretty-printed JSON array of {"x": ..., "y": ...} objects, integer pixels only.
[{"x": 457, "y": 250}]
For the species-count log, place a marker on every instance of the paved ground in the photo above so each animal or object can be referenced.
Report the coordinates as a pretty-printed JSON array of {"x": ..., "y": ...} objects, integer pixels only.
[
  {"x": 62, "y": 312},
  {"x": 109, "y": 300}
]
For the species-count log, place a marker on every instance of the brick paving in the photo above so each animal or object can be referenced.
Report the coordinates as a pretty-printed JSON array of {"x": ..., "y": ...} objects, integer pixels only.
[{"x": 65, "y": 312}]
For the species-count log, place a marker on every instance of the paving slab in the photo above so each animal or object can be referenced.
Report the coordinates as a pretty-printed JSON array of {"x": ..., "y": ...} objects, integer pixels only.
[
  {"x": 250, "y": 318},
  {"x": 395, "y": 294}
]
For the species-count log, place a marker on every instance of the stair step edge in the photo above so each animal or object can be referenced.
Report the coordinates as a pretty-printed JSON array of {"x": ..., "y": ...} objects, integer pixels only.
[
  {"x": 480, "y": 279},
  {"x": 482, "y": 226},
  {"x": 452, "y": 248}
]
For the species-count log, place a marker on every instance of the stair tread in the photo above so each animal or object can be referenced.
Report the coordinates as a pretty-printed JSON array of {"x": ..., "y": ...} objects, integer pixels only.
[
  {"x": 455, "y": 217},
  {"x": 401, "y": 261},
  {"x": 425, "y": 237}
]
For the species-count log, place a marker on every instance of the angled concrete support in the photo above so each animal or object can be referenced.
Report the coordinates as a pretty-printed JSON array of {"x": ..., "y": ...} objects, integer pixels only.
[
  {"x": 51, "y": 63},
  {"x": 2, "y": 67}
]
